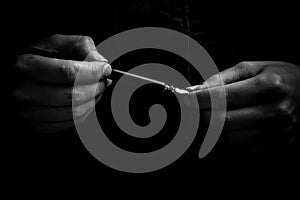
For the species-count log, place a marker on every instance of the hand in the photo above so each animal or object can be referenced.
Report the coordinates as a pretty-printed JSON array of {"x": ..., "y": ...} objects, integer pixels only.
[
  {"x": 44, "y": 87},
  {"x": 263, "y": 101}
]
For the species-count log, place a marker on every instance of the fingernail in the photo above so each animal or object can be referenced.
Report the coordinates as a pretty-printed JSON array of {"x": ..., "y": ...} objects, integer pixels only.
[
  {"x": 192, "y": 87},
  {"x": 106, "y": 70},
  {"x": 196, "y": 87},
  {"x": 108, "y": 82}
]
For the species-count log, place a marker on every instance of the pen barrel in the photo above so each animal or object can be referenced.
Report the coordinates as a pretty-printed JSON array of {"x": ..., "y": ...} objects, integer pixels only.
[{"x": 140, "y": 77}]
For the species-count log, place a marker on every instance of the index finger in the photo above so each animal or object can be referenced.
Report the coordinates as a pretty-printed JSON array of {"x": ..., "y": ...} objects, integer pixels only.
[
  {"x": 238, "y": 94},
  {"x": 75, "y": 47},
  {"x": 59, "y": 71}
]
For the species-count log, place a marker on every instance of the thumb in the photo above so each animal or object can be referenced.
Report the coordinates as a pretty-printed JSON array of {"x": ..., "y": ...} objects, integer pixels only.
[{"x": 241, "y": 71}]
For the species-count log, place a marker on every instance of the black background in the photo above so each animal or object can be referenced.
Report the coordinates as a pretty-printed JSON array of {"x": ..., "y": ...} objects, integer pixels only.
[{"x": 251, "y": 31}]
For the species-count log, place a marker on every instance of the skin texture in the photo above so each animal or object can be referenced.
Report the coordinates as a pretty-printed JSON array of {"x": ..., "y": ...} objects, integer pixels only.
[
  {"x": 262, "y": 97},
  {"x": 262, "y": 104},
  {"x": 44, "y": 85}
]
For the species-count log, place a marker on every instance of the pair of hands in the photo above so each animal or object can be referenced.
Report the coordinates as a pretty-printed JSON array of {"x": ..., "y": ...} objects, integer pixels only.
[{"x": 262, "y": 97}]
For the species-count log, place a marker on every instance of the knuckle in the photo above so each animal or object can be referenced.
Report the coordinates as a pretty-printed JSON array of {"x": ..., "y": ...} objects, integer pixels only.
[
  {"x": 82, "y": 109},
  {"x": 84, "y": 41},
  {"x": 87, "y": 38},
  {"x": 68, "y": 70},
  {"x": 55, "y": 36},
  {"x": 285, "y": 112},
  {"x": 77, "y": 111},
  {"x": 214, "y": 80},
  {"x": 242, "y": 70},
  {"x": 76, "y": 95},
  {"x": 21, "y": 62},
  {"x": 239, "y": 67},
  {"x": 274, "y": 81},
  {"x": 96, "y": 71},
  {"x": 244, "y": 64},
  {"x": 84, "y": 46}
]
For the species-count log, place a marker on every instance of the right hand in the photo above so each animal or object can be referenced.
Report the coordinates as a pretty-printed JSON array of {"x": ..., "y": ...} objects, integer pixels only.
[{"x": 44, "y": 87}]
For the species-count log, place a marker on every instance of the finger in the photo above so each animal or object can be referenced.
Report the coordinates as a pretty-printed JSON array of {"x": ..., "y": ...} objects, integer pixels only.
[
  {"x": 261, "y": 115},
  {"x": 258, "y": 136},
  {"x": 59, "y": 126},
  {"x": 53, "y": 95},
  {"x": 55, "y": 114},
  {"x": 51, "y": 70},
  {"x": 242, "y": 93},
  {"x": 73, "y": 47},
  {"x": 239, "y": 72}
]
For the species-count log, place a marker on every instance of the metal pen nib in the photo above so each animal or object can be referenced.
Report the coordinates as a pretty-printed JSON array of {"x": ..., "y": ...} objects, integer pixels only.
[{"x": 166, "y": 87}]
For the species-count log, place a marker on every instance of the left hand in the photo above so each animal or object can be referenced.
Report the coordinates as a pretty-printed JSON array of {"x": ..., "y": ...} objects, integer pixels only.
[{"x": 263, "y": 103}]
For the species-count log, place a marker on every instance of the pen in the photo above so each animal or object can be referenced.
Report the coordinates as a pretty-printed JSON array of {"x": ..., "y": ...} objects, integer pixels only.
[{"x": 166, "y": 87}]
